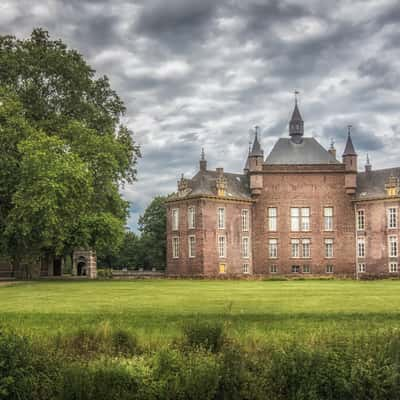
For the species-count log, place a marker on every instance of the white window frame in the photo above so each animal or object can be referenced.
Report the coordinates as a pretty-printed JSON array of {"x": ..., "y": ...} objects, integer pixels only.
[
  {"x": 294, "y": 248},
  {"x": 175, "y": 219},
  {"x": 272, "y": 219},
  {"x": 221, "y": 218},
  {"x": 306, "y": 269},
  {"x": 175, "y": 247},
  {"x": 360, "y": 220},
  {"x": 245, "y": 247},
  {"x": 305, "y": 220},
  {"x": 328, "y": 248},
  {"x": 393, "y": 246},
  {"x": 273, "y": 248},
  {"x": 392, "y": 217},
  {"x": 306, "y": 242},
  {"x": 393, "y": 267},
  {"x": 295, "y": 269},
  {"x": 329, "y": 269},
  {"x": 273, "y": 269},
  {"x": 295, "y": 219},
  {"x": 328, "y": 219},
  {"x": 192, "y": 217},
  {"x": 245, "y": 220},
  {"x": 361, "y": 247},
  {"x": 245, "y": 268},
  {"x": 192, "y": 242},
  {"x": 362, "y": 267},
  {"x": 222, "y": 246}
]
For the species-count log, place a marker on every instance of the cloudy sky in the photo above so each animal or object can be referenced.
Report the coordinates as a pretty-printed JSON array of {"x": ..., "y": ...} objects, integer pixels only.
[{"x": 203, "y": 73}]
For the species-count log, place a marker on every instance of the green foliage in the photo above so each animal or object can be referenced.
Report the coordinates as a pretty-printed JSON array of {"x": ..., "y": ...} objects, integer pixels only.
[
  {"x": 204, "y": 335},
  {"x": 64, "y": 151}
]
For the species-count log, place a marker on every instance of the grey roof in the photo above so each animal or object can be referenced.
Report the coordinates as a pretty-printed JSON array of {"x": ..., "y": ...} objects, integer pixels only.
[
  {"x": 204, "y": 184},
  {"x": 349, "y": 149},
  {"x": 371, "y": 184},
  {"x": 309, "y": 151}
]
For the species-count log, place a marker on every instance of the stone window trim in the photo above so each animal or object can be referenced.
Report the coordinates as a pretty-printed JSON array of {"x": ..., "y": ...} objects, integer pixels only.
[
  {"x": 245, "y": 249},
  {"x": 306, "y": 269},
  {"x": 300, "y": 219},
  {"x": 191, "y": 217},
  {"x": 245, "y": 268},
  {"x": 272, "y": 217},
  {"x": 328, "y": 220},
  {"x": 329, "y": 269},
  {"x": 329, "y": 252},
  {"x": 191, "y": 251},
  {"x": 303, "y": 242},
  {"x": 175, "y": 247},
  {"x": 361, "y": 267},
  {"x": 393, "y": 246},
  {"x": 295, "y": 246},
  {"x": 392, "y": 217},
  {"x": 245, "y": 214},
  {"x": 222, "y": 247},
  {"x": 175, "y": 219},
  {"x": 361, "y": 247},
  {"x": 273, "y": 269},
  {"x": 393, "y": 267},
  {"x": 360, "y": 219},
  {"x": 273, "y": 242},
  {"x": 221, "y": 218}
]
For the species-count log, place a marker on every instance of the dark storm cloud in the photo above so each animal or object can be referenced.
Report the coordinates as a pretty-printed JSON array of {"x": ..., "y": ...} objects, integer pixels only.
[{"x": 203, "y": 73}]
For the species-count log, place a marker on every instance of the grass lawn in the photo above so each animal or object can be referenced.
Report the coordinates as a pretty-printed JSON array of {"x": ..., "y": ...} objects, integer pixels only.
[{"x": 156, "y": 309}]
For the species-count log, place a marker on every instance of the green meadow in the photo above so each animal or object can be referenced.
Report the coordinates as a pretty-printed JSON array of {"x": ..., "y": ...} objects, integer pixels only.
[{"x": 155, "y": 310}]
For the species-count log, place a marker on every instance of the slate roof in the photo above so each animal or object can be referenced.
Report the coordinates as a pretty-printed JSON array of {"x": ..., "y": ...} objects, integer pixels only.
[
  {"x": 371, "y": 185},
  {"x": 204, "y": 184},
  {"x": 309, "y": 151}
]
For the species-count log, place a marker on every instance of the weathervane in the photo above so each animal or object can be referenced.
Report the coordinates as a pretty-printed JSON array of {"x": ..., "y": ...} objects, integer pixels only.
[
  {"x": 296, "y": 93},
  {"x": 349, "y": 129}
]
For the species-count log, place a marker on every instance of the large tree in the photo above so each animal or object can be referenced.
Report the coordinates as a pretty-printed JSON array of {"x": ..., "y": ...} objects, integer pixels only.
[{"x": 61, "y": 107}]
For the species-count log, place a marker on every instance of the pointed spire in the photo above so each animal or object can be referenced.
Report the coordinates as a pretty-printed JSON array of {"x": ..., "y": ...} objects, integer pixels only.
[
  {"x": 368, "y": 166},
  {"x": 296, "y": 124},
  {"x": 349, "y": 149},
  {"x": 256, "y": 151},
  {"x": 203, "y": 161}
]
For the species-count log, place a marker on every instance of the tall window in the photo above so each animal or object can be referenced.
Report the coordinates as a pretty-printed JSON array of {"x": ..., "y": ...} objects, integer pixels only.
[
  {"x": 362, "y": 267},
  {"x": 191, "y": 217},
  {"x": 272, "y": 219},
  {"x": 393, "y": 267},
  {"x": 175, "y": 219},
  {"x": 221, "y": 218},
  {"x": 222, "y": 246},
  {"x": 392, "y": 217},
  {"x": 328, "y": 218},
  {"x": 361, "y": 247},
  {"x": 360, "y": 220},
  {"x": 192, "y": 246},
  {"x": 393, "y": 250},
  {"x": 273, "y": 248},
  {"x": 306, "y": 248},
  {"x": 295, "y": 248},
  {"x": 245, "y": 247},
  {"x": 175, "y": 247},
  {"x": 300, "y": 219},
  {"x": 245, "y": 220},
  {"x": 305, "y": 219},
  {"x": 295, "y": 219},
  {"x": 328, "y": 248}
]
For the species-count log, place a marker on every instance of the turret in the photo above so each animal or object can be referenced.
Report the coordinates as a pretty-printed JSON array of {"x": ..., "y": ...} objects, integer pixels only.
[
  {"x": 350, "y": 162},
  {"x": 256, "y": 158}
]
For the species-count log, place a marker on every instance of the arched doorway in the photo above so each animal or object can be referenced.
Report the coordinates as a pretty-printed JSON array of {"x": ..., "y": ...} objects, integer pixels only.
[{"x": 81, "y": 267}]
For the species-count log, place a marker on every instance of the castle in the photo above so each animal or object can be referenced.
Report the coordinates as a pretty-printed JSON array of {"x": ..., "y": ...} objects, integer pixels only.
[{"x": 299, "y": 211}]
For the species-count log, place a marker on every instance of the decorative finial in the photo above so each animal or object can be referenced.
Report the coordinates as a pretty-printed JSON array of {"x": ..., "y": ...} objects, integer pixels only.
[
  {"x": 349, "y": 129},
  {"x": 368, "y": 161},
  {"x": 296, "y": 93},
  {"x": 203, "y": 156},
  {"x": 332, "y": 143},
  {"x": 256, "y": 128}
]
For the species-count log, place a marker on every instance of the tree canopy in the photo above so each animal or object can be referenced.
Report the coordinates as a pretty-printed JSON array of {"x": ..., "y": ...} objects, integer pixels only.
[{"x": 64, "y": 151}]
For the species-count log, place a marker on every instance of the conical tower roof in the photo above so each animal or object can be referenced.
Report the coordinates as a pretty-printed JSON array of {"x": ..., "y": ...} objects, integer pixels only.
[{"x": 349, "y": 149}]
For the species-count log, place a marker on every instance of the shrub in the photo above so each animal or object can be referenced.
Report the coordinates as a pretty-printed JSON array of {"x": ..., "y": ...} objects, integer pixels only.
[
  {"x": 104, "y": 273},
  {"x": 204, "y": 334}
]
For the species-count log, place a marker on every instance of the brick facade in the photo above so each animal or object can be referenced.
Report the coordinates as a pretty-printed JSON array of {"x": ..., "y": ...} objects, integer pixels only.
[{"x": 298, "y": 176}]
